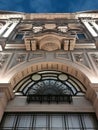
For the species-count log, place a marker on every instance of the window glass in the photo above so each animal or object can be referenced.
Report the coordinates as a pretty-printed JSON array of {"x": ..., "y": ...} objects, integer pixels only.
[
  {"x": 73, "y": 121},
  {"x": 24, "y": 121},
  {"x": 81, "y": 36},
  {"x": 40, "y": 121},
  {"x": 19, "y": 37},
  {"x": 65, "y": 121},
  {"x": 56, "y": 121},
  {"x": 89, "y": 122},
  {"x": 9, "y": 121}
]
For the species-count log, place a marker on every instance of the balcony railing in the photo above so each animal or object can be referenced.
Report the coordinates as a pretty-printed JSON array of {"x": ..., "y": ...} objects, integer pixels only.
[{"x": 31, "y": 98}]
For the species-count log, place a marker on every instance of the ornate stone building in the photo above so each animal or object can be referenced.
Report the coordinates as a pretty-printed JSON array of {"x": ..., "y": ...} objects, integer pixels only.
[{"x": 49, "y": 71}]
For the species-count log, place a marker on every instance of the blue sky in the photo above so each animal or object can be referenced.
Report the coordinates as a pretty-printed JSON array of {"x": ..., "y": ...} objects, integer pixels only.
[{"x": 48, "y": 6}]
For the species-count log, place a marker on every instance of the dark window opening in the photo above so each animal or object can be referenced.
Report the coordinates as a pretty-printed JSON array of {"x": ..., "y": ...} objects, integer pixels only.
[
  {"x": 19, "y": 37},
  {"x": 81, "y": 36}
]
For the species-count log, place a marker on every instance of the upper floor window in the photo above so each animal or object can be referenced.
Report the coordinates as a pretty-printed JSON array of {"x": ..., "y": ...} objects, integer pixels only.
[
  {"x": 19, "y": 36},
  {"x": 81, "y": 36}
]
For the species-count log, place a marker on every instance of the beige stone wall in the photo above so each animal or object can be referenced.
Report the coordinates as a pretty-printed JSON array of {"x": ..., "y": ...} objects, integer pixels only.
[
  {"x": 50, "y": 66},
  {"x": 6, "y": 94},
  {"x": 3, "y": 103},
  {"x": 79, "y": 104}
]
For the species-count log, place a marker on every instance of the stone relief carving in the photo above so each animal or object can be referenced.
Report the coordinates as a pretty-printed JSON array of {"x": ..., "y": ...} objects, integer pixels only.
[
  {"x": 18, "y": 58},
  {"x": 95, "y": 59},
  {"x": 49, "y": 43},
  {"x": 50, "y": 26},
  {"x": 80, "y": 57},
  {"x": 37, "y": 29},
  {"x": 3, "y": 60},
  {"x": 62, "y": 29}
]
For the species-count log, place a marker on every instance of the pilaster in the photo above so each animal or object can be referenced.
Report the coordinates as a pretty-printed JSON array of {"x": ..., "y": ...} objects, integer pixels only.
[{"x": 6, "y": 94}]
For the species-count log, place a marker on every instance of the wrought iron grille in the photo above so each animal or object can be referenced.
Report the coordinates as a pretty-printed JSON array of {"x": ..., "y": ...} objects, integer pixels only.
[{"x": 49, "y": 98}]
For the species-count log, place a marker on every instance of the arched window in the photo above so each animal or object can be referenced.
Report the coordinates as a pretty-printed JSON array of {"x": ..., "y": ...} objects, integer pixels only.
[{"x": 49, "y": 83}]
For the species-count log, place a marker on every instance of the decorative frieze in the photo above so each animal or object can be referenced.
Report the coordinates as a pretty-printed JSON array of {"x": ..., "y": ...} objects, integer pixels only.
[{"x": 4, "y": 57}]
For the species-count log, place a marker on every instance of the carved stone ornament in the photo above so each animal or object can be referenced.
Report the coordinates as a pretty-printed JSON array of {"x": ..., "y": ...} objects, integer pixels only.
[{"x": 49, "y": 43}]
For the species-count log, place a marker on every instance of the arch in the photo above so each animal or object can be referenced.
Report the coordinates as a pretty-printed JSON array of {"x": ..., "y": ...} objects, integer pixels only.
[{"x": 22, "y": 70}]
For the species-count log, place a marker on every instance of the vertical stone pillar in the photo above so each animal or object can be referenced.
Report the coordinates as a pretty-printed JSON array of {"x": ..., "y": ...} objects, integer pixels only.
[
  {"x": 96, "y": 104},
  {"x": 27, "y": 44},
  {"x": 92, "y": 95},
  {"x": 33, "y": 42},
  {"x": 6, "y": 94},
  {"x": 66, "y": 43},
  {"x": 3, "y": 103}
]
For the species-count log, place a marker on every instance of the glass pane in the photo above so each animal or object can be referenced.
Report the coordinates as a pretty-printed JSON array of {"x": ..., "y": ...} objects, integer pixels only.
[
  {"x": 48, "y": 121},
  {"x": 9, "y": 121},
  {"x": 57, "y": 121},
  {"x": 89, "y": 121},
  {"x": 19, "y": 37},
  {"x": 71, "y": 87},
  {"x": 24, "y": 121},
  {"x": 81, "y": 36},
  {"x": 40, "y": 121},
  {"x": 73, "y": 121}
]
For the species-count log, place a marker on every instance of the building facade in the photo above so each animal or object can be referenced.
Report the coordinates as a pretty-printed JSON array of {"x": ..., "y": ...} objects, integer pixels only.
[{"x": 49, "y": 71}]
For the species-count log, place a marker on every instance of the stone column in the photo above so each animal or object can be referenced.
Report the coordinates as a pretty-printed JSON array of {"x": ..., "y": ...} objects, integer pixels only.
[
  {"x": 3, "y": 103},
  {"x": 96, "y": 104},
  {"x": 6, "y": 94},
  {"x": 92, "y": 95}
]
